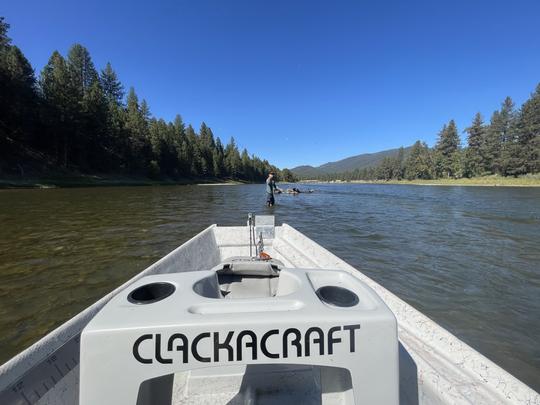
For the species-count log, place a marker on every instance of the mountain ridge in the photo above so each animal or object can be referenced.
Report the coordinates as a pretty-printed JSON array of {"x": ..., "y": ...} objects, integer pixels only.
[{"x": 361, "y": 161}]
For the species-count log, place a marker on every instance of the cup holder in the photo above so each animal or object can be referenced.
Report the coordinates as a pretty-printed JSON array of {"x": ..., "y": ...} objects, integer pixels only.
[
  {"x": 338, "y": 296},
  {"x": 150, "y": 293}
]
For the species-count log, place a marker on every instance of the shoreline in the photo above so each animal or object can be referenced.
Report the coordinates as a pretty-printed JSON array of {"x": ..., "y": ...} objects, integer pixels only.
[
  {"x": 80, "y": 181},
  {"x": 488, "y": 181}
]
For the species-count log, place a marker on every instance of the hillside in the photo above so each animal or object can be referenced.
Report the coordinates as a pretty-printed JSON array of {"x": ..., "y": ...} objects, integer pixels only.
[{"x": 362, "y": 161}]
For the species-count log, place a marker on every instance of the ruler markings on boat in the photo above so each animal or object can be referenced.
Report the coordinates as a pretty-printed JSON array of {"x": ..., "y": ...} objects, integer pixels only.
[
  {"x": 59, "y": 371},
  {"x": 37, "y": 381}
]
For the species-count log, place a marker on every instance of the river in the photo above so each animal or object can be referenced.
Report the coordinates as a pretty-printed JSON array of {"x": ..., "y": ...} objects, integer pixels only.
[{"x": 468, "y": 257}]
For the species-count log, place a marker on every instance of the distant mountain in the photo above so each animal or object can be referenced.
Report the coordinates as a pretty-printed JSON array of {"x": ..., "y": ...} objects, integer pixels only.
[
  {"x": 306, "y": 172},
  {"x": 348, "y": 164}
]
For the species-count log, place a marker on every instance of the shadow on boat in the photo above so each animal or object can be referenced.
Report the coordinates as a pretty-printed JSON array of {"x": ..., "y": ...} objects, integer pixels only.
[
  {"x": 290, "y": 384},
  {"x": 408, "y": 378},
  {"x": 286, "y": 384}
]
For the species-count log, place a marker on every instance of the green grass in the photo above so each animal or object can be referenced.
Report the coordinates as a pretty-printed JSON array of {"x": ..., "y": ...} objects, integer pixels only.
[
  {"x": 522, "y": 181},
  {"x": 529, "y": 180}
]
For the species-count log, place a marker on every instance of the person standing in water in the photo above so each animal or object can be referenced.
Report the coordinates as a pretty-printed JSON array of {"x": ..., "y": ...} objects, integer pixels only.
[{"x": 270, "y": 188}]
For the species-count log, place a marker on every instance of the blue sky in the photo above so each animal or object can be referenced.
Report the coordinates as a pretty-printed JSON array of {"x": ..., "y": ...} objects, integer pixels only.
[{"x": 302, "y": 82}]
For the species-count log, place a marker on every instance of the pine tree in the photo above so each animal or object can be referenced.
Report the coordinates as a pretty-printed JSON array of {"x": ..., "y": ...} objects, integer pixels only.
[
  {"x": 179, "y": 128},
  {"x": 164, "y": 146},
  {"x": 19, "y": 101},
  {"x": 218, "y": 159},
  {"x": 59, "y": 106},
  {"x": 206, "y": 146},
  {"x": 446, "y": 151},
  {"x": 399, "y": 169},
  {"x": 418, "y": 164},
  {"x": 5, "y": 40},
  {"x": 18, "y": 98},
  {"x": 116, "y": 140},
  {"x": 288, "y": 176},
  {"x": 112, "y": 88},
  {"x": 385, "y": 169},
  {"x": 195, "y": 155},
  {"x": 206, "y": 137},
  {"x": 97, "y": 155},
  {"x": 89, "y": 109},
  {"x": 247, "y": 172},
  {"x": 81, "y": 69},
  {"x": 216, "y": 168},
  {"x": 136, "y": 123},
  {"x": 476, "y": 138},
  {"x": 145, "y": 111},
  {"x": 525, "y": 152},
  {"x": 498, "y": 135},
  {"x": 134, "y": 117},
  {"x": 183, "y": 151},
  {"x": 233, "y": 162}
]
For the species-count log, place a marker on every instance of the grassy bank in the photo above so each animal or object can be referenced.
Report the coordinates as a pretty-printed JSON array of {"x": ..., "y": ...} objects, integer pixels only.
[
  {"x": 67, "y": 181},
  {"x": 488, "y": 181}
]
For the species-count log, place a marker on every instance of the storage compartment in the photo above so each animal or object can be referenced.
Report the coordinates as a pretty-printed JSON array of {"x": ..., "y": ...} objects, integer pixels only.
[{"x": 244, "y": 277}]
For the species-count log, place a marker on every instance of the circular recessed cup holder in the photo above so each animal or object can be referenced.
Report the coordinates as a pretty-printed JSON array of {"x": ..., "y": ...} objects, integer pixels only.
[
  {"x": 150, "y": 293},
  {"x": 338, "y": 296}
]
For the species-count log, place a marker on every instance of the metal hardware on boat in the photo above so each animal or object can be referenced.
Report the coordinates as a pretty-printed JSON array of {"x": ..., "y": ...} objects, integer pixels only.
[
  {"x": 260, "y": 245},
  {"x": 250, "y": 230}
]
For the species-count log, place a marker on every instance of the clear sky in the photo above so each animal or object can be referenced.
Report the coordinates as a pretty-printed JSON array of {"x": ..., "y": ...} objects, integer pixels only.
[{"x": 302, "y": 82}]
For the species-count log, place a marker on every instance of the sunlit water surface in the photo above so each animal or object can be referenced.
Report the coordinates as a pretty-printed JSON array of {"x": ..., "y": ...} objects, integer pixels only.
[{"x": 468, "y": 257}]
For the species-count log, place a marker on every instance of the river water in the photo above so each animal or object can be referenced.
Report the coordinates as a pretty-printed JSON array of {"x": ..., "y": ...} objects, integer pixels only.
[{"x": 468, "y": 257}]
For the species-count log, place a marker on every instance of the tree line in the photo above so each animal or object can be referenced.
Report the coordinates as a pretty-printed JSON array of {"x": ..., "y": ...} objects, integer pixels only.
[
  {"x": 74, "y": 118},
  {"x": 509, "y": 145}
]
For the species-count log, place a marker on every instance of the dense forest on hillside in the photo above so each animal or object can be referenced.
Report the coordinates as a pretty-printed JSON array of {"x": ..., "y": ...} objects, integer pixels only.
[
  {"x": 509, "y": 145},
  {"x": 73, "y": 118}
]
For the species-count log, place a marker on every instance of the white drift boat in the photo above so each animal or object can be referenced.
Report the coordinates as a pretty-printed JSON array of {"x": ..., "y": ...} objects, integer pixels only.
[{"x": 225, "y": 320}]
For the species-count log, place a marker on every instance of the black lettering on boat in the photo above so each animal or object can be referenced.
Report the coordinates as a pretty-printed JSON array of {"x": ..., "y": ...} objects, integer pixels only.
[
  {"x": 136, "y": 346},
  {"x": 264, "y": 349},
  {"x": 332, "y": 339},
  {"x": 295, "y": 342},
  {"x": 158, "y": 351},
  {"x": 194, "y": 350},
  {"x": 225, "y": 345},
  {"x": 352, "y": 329},
  {"x": 319, "y": 340},
  {"x": 252, "y": 345},
  {"x": 287, "y": 343},
  {"x": 184, "y": 347}
]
